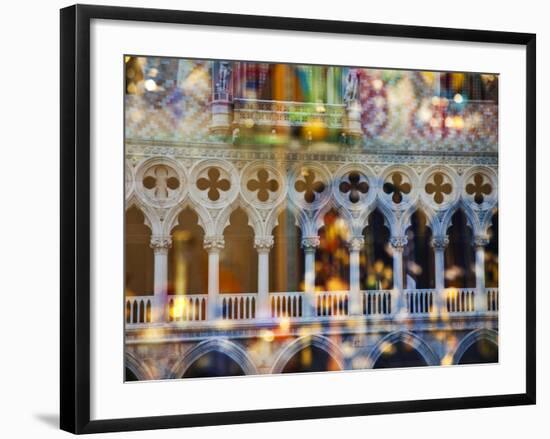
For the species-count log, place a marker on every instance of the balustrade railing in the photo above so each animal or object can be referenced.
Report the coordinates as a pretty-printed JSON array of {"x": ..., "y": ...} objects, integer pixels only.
[
  {"x": 187, "y": 308},
  {"x": 376, "y": 302},
  {"x": 238, "y": 306},
  {"x": 286, "y": 304},
  {"x": 139, "y": 309},
  {"x": 287, "y": 113},
  {"x": 492, "y": 299},
  {"x": 459, "y": 300},
  {"x": 321, "y": 304},
  {"x": 420, "y": 301},
  {"x": 332, "y": 303}
]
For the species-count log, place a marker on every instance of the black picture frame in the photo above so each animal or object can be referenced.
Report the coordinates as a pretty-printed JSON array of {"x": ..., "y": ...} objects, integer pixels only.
[{"x": 76, "y": 210}]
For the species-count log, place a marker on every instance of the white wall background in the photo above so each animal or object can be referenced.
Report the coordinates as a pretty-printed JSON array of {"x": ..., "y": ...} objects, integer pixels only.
[{"x": 29, "y": 219}]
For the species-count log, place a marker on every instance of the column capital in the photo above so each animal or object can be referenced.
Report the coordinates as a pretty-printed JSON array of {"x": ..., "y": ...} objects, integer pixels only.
[
  {"x": 440, "y": 242},
  {"x": 356, "y": 243},
  {"x": 213, "y": 243},
  {"x": 263, "y": 243},
  {"x": 398, "y": 242},
  {"x": 310, "y": 242},
  {"x": 160, "y": 244},
  {"x": 480, "y": 241}
]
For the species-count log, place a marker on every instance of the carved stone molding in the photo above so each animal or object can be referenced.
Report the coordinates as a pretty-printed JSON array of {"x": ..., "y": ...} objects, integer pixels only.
[
  {"x": 356, "y": 243},
  {"x": 263, "y": 243},
  {"x": 480, "y": 241},
  {"x": 213, "y": 243},
  {"x": 398, "y": 242},
  {"x": 311, "y": 242},
  {"x": 161, "y": 244},
  {"x": 440, "y": 242}
]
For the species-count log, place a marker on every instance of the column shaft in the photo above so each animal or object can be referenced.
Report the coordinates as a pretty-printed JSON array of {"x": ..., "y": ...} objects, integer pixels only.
[
  {"x": 481, "y": 295},
  {"x": 263, "y": 245},
  {"x": 263, "y": 284},
  {"x": 309, "y": 244},
  {"x": 355, "y": 246},
  {"x": 398, "y": 243},
  {"x": 213, "y": 245},
  {"x": 160, "y": 246},
  {"x": 439, "y": 243}
]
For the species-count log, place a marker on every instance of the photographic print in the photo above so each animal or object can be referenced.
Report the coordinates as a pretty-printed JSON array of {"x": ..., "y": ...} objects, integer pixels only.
[{"x": 286, "y": 218}]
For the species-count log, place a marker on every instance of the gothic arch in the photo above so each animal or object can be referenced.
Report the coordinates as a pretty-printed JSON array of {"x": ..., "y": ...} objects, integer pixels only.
[
  {"x": 331, "y": 204},
  {"x": 203, "y": 216},
  {"x": 472, "y": 220},
  {"x": 406, "y": 337},
  {"x": 297, "y": 345},
  {"x": 431, "y": 220},
  {"x": 489, "y": 335},
  {"x": 137, "y": 367},
  {"x": 390, "y": 219},
  {"x": 272, "y": 219},
  {"x": 152, "y": 220},
  {"x": 222, "y": 345},
  {"x": 254, "y": 218}
]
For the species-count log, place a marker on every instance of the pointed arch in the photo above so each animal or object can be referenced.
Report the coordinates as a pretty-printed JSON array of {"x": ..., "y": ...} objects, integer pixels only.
[
  {"x": 407, "y": 337},
  {"x": 254, "y": 219},
  {"x": 470, "y": 215},
  {"x": 138, "y": 367},
  {"x": 390, "y": 217},
  {"x": 471, "y": 338},
  {"x": 272, "y": 219},
  {"x": 376, "y": 267},
  {"x": 332, "y": 205},
  {"x": 204, "y": 219},
  {"x": 152, "y": 219},
  {"x": 222, "y": 345},
  {"x": 297, "y": 345},
  {"x": 431, "y": 218}
]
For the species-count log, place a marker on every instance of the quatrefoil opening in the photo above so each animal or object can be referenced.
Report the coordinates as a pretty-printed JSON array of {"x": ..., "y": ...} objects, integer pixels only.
[
  {"x": 354, "y": 187},
  {"x": 263, "y": 185},
  {"x": 397, "y": 187},
  {"x": 310, "y": 186},
  {"x": 161, "y": 180},
  {"x": 215, "y": 184},
  {"x": 439, "y": 188},
  {"x": 479, "y": 189}
]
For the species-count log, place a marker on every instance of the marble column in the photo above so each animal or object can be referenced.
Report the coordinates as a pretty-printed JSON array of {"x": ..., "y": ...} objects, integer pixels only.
[
  {"x": 213, "y": 245},
  {"x": 263, "y": 246},
  {"x": 439, "y": 244},
  {"x": 398, "y": 244},
  {"x": 480, "y": 242},
  {"x": 309, "y": 244},
  {"x": 160, "y": 246},
  {"x": 355, "y": 244}
]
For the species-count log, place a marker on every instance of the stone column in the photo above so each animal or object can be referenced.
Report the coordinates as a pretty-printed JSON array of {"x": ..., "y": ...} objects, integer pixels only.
[
  {"x": 263, "y": 246},
  {"x": 398, "y": 244},
  {"x": 439, "y": 243},
  {"x": 479, "y": 243},
  {"x": 355, "y": 244},
  {"x": 309, "y": 244},
  {"x": 160, "y": 246},
  {"x": 213, "y": 245}
]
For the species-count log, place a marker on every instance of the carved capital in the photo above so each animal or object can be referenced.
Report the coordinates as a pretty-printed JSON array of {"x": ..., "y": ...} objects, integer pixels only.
[
  {"x": 440, "y": 242},
  {"x": 310, "y": 242},
  {"x": 160, "y": 244},
  {"x": 213, "y": 243},
  {"x": 480, "y": 241},
  {"x": 398, "y": 242},
  {"x": 356, "y": 243},
  {"x": 263, "y": 243}
]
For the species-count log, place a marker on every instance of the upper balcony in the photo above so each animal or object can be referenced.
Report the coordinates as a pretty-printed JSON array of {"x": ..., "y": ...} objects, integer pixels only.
[{"x": 191, "y": 311}]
